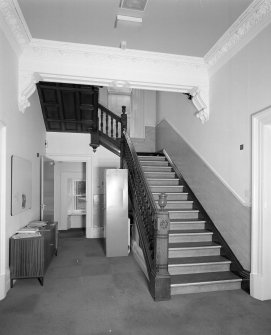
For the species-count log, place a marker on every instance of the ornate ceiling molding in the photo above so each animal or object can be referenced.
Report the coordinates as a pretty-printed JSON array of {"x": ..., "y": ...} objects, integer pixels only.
[
  {"x": 48, "y": 49},
  {"x": 253, "y": 20},
  {"x": 95, "y": 65},
  {"x": 14, "y": 24},
  {"x": 198, "y": 102}
]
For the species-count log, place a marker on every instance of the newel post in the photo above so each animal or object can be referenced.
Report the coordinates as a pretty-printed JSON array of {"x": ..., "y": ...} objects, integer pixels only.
[
  {"x": 160, "y": 286},
  {"x": 123, "y": 128}
]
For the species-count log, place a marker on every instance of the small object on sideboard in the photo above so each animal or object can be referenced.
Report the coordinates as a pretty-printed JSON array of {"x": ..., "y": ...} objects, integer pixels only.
[{"x": 31, "y": 253}]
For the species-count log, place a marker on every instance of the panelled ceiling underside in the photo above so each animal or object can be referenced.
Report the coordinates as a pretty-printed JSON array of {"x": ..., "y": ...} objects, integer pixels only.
[{"x": 67, "y": 107}]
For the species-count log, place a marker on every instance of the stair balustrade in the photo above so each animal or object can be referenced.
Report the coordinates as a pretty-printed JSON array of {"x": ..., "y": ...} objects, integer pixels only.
[
  {"x": 108, "y": 129},
  {"x": 152, "y": 223}
]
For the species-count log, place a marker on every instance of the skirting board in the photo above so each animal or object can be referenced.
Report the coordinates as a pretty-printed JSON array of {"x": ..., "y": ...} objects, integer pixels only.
[
  {"x": 138, "y": 255},
  {"x": 4, "y": 284},
  {"x": 94, "y": 232},
  {"x": 260, "y": 287}
]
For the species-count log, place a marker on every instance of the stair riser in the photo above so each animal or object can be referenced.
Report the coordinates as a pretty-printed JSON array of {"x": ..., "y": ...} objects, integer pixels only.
[
  {"x": 165, "y": 182},
  {"x": 199, "y": 288},
  {"x": 189, "y": 238},
  {"x": 179, "y": 226},
  {"x": 151, "y": 158},
  {"x": 177, "y": 206},
  {"x": 157, "y": 169},
  {"x": 164, "y": 175},
  {"x": 173, "y": 197},
  {"x": 152, "y": 163},
  {"x": 193, "y": 252},
  {"x": 199, "y": 268},
  {"x": 183, "y": 215},
  {"x": 161, "y": 189}
]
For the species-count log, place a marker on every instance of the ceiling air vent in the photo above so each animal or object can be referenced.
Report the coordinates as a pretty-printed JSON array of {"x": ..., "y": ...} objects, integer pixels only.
[{"x": 134, "y": 4}]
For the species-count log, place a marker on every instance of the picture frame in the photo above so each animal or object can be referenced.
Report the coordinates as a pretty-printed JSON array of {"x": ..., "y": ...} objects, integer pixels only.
[{"x": 21, "y": 185}]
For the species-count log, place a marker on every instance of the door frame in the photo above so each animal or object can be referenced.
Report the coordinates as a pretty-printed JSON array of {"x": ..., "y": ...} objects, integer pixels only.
[
  {"x": 3, "y": 189},
  {"x": 260, "y": 277},
  {"x": 89, "y": 192}
]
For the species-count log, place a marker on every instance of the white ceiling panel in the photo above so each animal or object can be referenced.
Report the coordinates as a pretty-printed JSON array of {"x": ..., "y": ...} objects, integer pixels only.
[{"x": 186, "y": 27}]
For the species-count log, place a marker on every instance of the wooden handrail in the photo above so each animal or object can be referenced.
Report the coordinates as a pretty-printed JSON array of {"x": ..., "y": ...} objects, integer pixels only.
[{"x": 107, "y": 111}]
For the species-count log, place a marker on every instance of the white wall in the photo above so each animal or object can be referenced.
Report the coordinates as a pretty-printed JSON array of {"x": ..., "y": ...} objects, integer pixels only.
[
  {"x": 25, "y": 138},
  {"x": 240, "y": 88},
  {"x": 75, "y": 147}
]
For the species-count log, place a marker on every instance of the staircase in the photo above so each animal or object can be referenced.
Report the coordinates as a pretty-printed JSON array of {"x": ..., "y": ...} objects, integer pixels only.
[{"x": 195, "y": 263}]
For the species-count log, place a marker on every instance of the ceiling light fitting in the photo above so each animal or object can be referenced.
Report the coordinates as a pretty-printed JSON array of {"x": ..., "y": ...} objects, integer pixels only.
[
  {"x": 134, "y": 4},
  {"x": 129, "y": 18}
]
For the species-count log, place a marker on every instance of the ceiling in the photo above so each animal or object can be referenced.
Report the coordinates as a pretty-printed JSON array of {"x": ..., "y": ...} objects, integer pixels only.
[
  {"x": 184, "y": 27},
  {"x": 68, "y": 107}
]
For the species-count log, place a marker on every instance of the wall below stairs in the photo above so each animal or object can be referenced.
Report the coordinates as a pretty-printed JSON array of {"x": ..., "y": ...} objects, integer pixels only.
[{"x": 228, "y": 214}]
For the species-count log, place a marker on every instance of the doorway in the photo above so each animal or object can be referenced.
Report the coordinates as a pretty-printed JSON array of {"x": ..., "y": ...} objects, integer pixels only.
[
  {"x": 3, "y": 245},
  {"x": 70, "y": 195},
  {"x": 261, "y": 206}
]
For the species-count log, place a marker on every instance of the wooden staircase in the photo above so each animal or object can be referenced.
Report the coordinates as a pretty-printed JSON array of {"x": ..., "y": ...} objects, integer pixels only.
[{"x": 195, "y": 263}]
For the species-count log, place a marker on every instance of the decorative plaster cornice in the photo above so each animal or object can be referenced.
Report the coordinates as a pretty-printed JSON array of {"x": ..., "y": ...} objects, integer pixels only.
[
  {"x": 202, "y": 111},
  {"x": 252, "y": 21},
  {"x": 48, "y": 48},
  {"x": 96, "y": 65},
  {"x": 14, "y": 21},
  {"x": 27, "y": 86}
]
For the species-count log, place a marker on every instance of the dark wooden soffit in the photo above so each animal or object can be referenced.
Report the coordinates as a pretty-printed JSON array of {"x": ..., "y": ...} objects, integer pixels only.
[{"x": 68, "y": 107}]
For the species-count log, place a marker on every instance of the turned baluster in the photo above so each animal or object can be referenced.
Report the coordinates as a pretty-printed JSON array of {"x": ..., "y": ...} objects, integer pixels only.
[
  {"x": 111, "y": 126},
  {"x": 106, "y": 124},
  {"x": 102, "y": 121},
  {"x": 117, "y": 129}
]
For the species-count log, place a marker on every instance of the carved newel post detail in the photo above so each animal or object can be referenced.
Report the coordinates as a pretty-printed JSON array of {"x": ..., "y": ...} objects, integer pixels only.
[
  {"x": 161, "y": 278},
  {"x": 123, "y": 128}
]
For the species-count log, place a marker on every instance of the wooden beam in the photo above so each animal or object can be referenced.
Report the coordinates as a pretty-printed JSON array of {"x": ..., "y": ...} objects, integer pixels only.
[{"x": 61, "y": 111}]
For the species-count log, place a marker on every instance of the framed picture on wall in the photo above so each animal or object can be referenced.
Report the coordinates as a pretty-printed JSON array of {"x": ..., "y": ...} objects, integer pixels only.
[{"x": 21, "y": 185}]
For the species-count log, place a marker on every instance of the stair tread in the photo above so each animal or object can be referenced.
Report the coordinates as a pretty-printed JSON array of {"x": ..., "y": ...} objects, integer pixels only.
[
  {"x": 183, "y": 210},
  {"x": 187, "y": 221},
  {"x": 164, "y": 186},
  {"x": 197, "y": 260},
  {"x": 146, "y": 162},
  {"x": 175, "y": 193},
  {"x": 163, "y": 179},
  {"x": 155, "y": 167},
  {"x": 190, "y": 232},
  {"x": 203, "y": 277},
  {"x": 193, "y": 245},
  {"x": 178, "y": 201},
  {"x": 155, "y": 157}
]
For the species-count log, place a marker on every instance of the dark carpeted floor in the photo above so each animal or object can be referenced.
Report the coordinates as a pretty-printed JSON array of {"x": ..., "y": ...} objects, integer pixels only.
[{"x": 85, "y": 293}]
